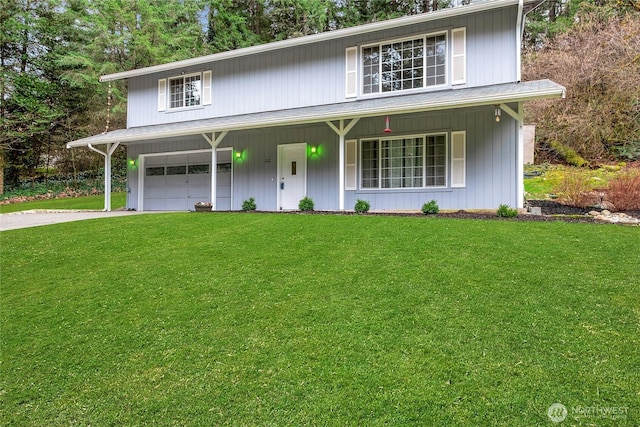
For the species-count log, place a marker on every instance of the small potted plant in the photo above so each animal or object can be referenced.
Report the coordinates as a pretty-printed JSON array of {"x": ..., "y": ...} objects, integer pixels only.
[{"x": 203, "y": 206}]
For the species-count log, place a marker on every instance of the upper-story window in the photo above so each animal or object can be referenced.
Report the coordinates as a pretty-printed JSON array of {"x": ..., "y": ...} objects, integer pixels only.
[
  {"x": 405, "y": 64},
  {"x": 190, "y": 90},
  {"x": 185, "y": 91}
]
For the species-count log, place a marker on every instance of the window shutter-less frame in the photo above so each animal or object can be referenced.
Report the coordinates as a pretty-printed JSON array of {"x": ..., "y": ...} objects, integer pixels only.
[
  {"x": 459, "y": 56},
  {"x": 350, "y": 170},
  {"x": 458, "y": 159},
  {"x": 206, "y": 87},
  {"x": 162, "y": 94},
  {"x": 351, "y": 78}
]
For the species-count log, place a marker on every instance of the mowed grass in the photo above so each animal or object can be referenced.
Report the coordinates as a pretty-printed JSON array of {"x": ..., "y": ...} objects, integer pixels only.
[
  {"x": 85, "y": 202},
  {"x": 276, "y": 319}
]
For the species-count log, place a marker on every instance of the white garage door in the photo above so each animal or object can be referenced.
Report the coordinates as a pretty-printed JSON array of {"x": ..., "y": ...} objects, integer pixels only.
[{"x": 176, "y": 182}]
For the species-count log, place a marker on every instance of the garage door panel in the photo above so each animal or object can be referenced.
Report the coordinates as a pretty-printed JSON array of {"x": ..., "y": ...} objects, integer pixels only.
[
  {"x": 177, "y": 204},
  {"x": 175, "y": 192},
  {"x": 155, "y": 204},
  {"x": 155, "y": 192}
]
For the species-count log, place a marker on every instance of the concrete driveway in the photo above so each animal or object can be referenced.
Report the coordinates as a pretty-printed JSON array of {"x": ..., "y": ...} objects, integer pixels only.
[{"x": 34, "y": 218}]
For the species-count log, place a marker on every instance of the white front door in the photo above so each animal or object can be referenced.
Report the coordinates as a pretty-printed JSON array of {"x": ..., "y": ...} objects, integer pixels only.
[{"x": 292, "y": 161}]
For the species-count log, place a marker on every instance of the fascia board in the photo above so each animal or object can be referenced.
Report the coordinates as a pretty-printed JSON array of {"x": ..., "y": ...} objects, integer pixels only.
[
  {"x": 316, "y": 38},
  {"x": 246, "y": 122}
]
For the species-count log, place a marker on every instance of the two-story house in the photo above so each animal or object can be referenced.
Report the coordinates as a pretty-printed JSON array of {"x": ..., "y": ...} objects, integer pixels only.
[{"x": 397, "y": 113}]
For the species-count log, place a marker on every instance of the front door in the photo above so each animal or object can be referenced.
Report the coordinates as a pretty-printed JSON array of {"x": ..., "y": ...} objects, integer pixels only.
[{"x": 292, "y": 161}]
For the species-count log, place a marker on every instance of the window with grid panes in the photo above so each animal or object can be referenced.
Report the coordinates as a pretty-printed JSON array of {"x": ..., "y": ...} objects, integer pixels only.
[
  {"x": 406, "y": 64},
  {"x": 185, "y": 91}
]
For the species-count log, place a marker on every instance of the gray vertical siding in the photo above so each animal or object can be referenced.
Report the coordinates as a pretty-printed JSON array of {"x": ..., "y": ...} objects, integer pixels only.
[
  {"x": 314, "y": 74},
  {"x": 490, "y": 162}
]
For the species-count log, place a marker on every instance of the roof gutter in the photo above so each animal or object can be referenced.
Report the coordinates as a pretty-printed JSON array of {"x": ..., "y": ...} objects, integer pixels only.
[{"x": 320, "y": 37}]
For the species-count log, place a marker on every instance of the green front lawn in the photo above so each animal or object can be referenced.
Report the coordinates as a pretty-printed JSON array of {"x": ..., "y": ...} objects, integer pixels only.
[
  {"x": 276, "y": 319},
  {"x": 118, "y": 201}
]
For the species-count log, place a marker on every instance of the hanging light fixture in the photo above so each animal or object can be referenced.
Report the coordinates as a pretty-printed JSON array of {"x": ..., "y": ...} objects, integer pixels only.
[
  {"x": 387, "y": 129},
  {"x": 498, "y": 112}
]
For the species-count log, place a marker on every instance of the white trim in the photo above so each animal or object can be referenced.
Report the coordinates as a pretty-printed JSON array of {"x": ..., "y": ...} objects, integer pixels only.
[
  {"x": 141, "y": 161},
  {"x": 459, "y": 160},
  {"x": 459, "y": 55},
  {"x": 351, "y": 72},
  {"x": 317, "y": 38}
]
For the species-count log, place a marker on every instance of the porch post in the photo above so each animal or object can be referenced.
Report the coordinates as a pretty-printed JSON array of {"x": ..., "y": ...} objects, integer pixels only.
[
  {"x": 341, "y": 175},
  {"x": 107, "y": 180},
  {"x": 520, "y": 158},
  {"x": 342, "y": 131},
  {"x": 111, "y": 148},
  {"x": 214, "y": 141}
]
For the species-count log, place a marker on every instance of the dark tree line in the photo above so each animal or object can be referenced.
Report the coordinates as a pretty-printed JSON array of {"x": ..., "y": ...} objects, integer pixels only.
[{"x": 53, "y": 51}]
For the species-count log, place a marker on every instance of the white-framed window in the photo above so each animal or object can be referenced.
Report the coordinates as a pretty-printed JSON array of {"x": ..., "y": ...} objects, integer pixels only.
[
  {"x": 404, "y": 162},
  {"x": 412, "y": 63},
  {"x": 184, "y": 91}
]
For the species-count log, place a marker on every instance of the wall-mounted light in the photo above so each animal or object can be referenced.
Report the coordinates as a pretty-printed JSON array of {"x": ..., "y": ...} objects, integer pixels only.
[
  {"x": 387, "y": 129},
  {"x": 238, "y": 155},
  {"x": 498, "y": 113},
  {"x": 132, "y": 164},
  {"x": 314, "y": 149}
]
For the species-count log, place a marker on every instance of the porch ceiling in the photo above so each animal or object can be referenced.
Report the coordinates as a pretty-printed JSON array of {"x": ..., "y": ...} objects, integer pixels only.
[{"x": 380, "y": 106}]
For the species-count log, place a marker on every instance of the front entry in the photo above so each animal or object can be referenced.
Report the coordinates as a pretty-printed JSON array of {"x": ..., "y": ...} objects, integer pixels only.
[{"x": 292, "y": 169}]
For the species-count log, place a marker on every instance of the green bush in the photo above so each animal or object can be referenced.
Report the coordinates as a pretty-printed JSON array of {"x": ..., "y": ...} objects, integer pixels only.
[
  {"x": 306, "y": 204},
  {"x": 430, "y": 208},
  {"x": 362, "y": 206},
  {"x": 249, "y": 205},
  {"x": 505, "y": 211},
  {"x": 568, "y": 154}
]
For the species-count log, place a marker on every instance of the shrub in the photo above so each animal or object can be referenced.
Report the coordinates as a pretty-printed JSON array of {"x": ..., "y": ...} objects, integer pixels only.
[
  {"x": 624, "y": 192},
  {"x": 306, "y": 204},
  {"x": 362, "y": 206},
  {"x": 574, "y": 190},
  {"x": 505, "y": 211},
  {"x": 249, "y": 205},
  {"x": 430, "y": 208},
  {"x": 568, "y": 154}
]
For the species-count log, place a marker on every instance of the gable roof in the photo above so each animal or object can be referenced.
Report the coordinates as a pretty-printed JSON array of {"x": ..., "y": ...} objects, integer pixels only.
[
  {"x": 374, "y": 107},
  {"x": 474, "y": 7}
]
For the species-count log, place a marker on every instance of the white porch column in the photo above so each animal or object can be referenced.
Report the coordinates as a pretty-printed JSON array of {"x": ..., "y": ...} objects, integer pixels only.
[
  {"x": 520, "y": 166},
  {"x": 342, "y": 131},
  {"x": 518, "y": 116},
  {"x": 214, "y": 141},
  {"x": 111, "y": 148}
]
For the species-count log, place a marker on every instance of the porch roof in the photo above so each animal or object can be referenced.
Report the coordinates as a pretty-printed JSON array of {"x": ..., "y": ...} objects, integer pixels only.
[{"x": 374, "y": 107}]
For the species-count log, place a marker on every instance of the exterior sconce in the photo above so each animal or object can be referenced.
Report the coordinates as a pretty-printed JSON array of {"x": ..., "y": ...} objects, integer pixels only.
[
  {"x": 498, "y": 112},
  {"x": 314, "y": 149},
  {"x": 387, "y": 129},
  {"x": 238, "y": 154}
]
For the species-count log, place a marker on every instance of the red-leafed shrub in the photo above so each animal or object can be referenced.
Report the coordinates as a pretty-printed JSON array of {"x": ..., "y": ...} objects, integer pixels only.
[{"x": 624, "y": 192}]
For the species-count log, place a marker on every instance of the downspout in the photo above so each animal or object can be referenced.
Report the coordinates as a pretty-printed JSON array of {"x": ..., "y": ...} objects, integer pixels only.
[{"x": 111, "y": 148}]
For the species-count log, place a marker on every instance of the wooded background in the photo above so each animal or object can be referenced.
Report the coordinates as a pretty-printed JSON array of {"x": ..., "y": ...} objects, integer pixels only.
[{"x": 53, "y": 52}]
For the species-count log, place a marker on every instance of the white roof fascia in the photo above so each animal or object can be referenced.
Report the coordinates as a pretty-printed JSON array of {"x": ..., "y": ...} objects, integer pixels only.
[
  {"x": 346, "y": 110},
  {"x": 316, "y": 38}
]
